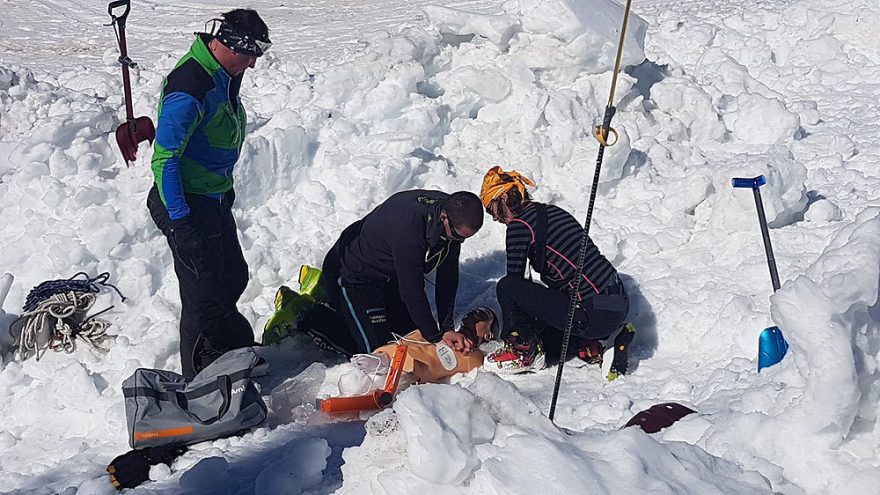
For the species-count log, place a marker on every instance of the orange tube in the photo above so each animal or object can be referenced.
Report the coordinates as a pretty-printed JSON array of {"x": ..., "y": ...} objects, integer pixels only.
[
  {"x": 377, "y": 399},
  {"x": 396, "y": 369}
]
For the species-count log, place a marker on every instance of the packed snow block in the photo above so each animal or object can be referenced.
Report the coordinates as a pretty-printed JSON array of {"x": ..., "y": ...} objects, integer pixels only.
[
  {"x": 8, "y": 78},
  {"x": 299, "y": 468},
  {"x": 443, "y": 424},
  {"x": 469, "y": 88},
  {"x": 508, "y": 406},
  {"x": 688, "y": 103},
  {"x": 275, "y": 162},
  {"x": 758, "y": 119},
  {"x": 830, "y": 317},
  {"x": 575, "y": 22},
  {"x": 206, "y": 475},
  {"x": 784, "y": 196},
  {"x": 497, "y": 28}
]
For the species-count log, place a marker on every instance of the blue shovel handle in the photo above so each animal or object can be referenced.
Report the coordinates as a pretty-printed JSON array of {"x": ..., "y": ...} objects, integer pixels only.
[
  {"x": 771, "y": 343},
  {"x": 753, "y": 183}
]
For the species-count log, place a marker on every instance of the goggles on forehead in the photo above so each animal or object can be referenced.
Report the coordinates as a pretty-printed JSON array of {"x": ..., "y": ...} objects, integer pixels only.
[{"x": 237, "y": 40}]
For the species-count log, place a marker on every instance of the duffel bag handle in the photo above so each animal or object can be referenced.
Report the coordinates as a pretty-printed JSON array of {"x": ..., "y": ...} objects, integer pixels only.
[{"x": 224, "y": 386}]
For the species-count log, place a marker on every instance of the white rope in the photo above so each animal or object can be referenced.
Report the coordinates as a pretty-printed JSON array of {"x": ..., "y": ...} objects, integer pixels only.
[
  {"x": 405, "y": 338},
  {"x": 57, "y": 322}
]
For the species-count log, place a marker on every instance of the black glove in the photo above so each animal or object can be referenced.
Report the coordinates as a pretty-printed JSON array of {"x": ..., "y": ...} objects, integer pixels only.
[
  {"x": 133, "y": 468},
  {"x": 190, "y": 243}
]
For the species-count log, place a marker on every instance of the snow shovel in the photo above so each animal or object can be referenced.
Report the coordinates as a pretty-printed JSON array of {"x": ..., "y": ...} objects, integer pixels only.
[
  {"x": 133, "y": 130},
  {"x": 771, "y": 343}
]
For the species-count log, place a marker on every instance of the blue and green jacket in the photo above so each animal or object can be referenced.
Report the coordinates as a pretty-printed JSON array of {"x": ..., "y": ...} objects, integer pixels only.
[{"x": 200, "y": 131}]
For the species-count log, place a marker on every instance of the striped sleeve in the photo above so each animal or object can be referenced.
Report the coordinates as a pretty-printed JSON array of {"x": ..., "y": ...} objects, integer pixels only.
[{"x": 518, "y": 243}]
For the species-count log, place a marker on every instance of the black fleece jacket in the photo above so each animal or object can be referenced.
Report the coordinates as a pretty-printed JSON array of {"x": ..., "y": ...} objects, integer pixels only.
[{"x": 404, "y": 239}]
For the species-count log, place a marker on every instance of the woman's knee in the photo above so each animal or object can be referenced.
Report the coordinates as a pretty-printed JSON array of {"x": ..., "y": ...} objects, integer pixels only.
[{"x": 507, "y": 284}]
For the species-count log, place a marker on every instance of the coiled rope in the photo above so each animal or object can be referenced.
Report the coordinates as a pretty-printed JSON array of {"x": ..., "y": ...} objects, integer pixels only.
[
  {"x": 56, "y": 316},
  {"x": 51, "y": 287}
]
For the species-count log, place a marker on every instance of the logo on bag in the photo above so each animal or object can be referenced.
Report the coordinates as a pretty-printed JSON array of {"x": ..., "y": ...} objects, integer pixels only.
[
  {"x": 238, "y": 390},
  {"x": 170, "y": 432}
]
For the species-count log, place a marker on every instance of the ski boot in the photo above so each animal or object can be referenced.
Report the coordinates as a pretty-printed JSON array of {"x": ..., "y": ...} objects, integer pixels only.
[
  {"x": 591, "y": 352},
  {"x": 615, "y": 358},
  {"x": 310, "y": 282},
  {"x": 290, "y": 307},
  {"x": 517, "y": 355}
]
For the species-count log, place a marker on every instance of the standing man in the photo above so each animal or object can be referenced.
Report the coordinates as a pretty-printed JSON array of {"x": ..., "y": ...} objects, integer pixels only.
[
  {"x": 374, "y": 276},
  {"x": 198, "y": 141}
]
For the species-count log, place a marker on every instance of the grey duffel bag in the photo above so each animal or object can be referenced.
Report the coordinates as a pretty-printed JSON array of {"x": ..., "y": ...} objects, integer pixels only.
[{"x": 161, "y": 408}]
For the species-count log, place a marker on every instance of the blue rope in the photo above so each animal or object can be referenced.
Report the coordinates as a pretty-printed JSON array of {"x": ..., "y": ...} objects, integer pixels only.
[{"x": 51, "y": 287}]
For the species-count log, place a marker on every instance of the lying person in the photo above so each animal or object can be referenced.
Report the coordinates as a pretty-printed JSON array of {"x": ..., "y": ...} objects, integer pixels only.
[{"x": 430, "y": 362}]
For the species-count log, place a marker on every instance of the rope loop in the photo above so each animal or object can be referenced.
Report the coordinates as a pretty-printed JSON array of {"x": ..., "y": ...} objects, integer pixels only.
[{"x": 56, "y": 317}]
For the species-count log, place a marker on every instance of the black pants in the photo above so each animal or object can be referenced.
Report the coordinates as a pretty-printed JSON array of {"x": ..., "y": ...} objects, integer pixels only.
[
  {"x": 369, "y": 312},
  {"x": 210, "y": 283},
  {"x": 528, "y": 308}
]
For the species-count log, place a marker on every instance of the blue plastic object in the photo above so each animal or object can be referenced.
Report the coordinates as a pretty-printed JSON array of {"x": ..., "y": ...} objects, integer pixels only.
[
  {"x": 754, "y": 182},
  {"x": 771, "y": 347},
  {"x": 771, "y": 344}
]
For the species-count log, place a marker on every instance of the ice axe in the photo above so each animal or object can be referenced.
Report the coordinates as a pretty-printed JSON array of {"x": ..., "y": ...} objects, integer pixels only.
[
  {"x": 771, "y": 344},
  {"x": 133, "y": 130}
]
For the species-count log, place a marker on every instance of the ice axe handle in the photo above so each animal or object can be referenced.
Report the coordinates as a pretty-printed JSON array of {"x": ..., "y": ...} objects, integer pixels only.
[{"x": 116, "y": 4}]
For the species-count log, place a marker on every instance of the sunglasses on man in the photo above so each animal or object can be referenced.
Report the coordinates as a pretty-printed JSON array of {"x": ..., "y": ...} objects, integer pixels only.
[{"x": 452, "y": 234}]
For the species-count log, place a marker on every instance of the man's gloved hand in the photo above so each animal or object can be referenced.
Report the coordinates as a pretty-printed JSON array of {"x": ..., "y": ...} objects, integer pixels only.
[
  {"x": 133, "y": 468},
  {"x": 188, "y": 241}
]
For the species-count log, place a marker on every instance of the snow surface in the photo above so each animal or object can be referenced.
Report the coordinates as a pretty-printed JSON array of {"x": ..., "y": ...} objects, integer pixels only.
[{"x": 361, "y": 99}]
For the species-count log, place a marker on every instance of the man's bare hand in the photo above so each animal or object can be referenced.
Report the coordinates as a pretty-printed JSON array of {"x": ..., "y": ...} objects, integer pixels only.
[{"x": 458, "y": 342}]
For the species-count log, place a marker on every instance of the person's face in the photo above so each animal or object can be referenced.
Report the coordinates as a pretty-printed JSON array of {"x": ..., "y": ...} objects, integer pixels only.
[
  {"x": 484, "y": 331},
  {"x": 234, "y": 63},
  {"x": 239, "y": 62},
  {"x": 455, "y": 234},
  {"x": 499, "y": 211}
]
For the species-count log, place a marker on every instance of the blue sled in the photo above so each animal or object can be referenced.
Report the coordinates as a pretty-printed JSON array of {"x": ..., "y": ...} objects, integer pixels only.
[{"x": 771, "y": 347}]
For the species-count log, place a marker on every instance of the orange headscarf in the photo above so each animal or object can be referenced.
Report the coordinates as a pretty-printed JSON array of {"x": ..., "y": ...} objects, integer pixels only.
[{"x": 497, "y": 182}]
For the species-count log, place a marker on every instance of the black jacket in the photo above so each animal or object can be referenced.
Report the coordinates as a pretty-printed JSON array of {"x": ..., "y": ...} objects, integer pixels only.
[{"x": 404, "y": 239}]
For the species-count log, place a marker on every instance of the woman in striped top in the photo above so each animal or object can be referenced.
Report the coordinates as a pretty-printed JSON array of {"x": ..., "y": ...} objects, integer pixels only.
[{"x": 529, "y": 309}]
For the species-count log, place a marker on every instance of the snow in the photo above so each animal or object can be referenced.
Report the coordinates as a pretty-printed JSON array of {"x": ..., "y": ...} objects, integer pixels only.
[{"x": 362, "y": 99}]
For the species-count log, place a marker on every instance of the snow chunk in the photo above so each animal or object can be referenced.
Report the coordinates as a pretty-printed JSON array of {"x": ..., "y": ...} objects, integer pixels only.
[
  {"x": 442, "y": 424},
  {"x": 298, "y": 470},
  {"x": 572, "y": 21},
  {"x": 496, "y": 28},
  {"x": 758, "y": 119}
]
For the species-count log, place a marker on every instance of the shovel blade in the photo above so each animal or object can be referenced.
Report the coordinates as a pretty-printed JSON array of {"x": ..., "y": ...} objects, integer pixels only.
[
  {"x": 132, "y": 132},
  {"x": 771, "y": 347}
]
